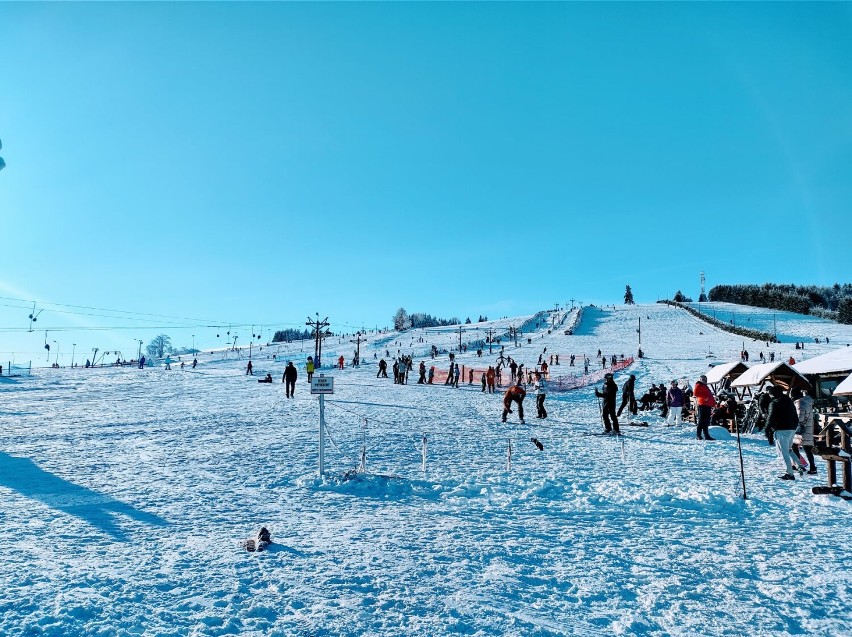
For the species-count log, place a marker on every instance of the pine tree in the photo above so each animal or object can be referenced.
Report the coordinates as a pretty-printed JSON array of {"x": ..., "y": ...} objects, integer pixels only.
[
  {"x": 844, "y": 310},
  {"x": 628, "y": 296}
]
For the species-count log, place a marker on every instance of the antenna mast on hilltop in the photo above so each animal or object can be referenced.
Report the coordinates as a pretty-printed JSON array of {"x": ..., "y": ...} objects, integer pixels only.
[{"x": 702, "y": 297}]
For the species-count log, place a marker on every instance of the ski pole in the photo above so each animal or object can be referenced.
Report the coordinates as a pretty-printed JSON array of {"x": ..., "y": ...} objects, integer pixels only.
[{"x": 740, "y": 448}]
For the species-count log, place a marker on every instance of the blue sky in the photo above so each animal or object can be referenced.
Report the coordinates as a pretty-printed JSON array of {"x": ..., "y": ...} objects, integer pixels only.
[{"x": 257, "y": 163}]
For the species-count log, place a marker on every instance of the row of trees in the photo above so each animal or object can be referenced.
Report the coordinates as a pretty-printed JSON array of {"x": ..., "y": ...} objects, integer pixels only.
[
  {"x": 832, "y": 302},
  {"x": 402, "y": 320},
  {"x": 289, "y": 335}
]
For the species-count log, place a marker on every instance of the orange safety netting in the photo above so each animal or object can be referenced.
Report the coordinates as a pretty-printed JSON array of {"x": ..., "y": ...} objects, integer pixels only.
[{"x": 576, "y": 381}]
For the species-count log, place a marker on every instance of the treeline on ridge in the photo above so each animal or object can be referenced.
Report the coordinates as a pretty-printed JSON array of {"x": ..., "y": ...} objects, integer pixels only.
[
  {"x": 834, "y": 302},
  {"x": 402, "y": 320},
  {"x": 289, "y": 335}
]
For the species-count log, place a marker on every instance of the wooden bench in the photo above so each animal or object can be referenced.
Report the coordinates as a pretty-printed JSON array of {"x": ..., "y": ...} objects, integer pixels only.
[{"x": 834, "y": 444}]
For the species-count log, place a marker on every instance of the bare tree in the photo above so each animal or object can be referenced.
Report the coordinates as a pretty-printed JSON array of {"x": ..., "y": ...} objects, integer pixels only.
[{"x": 159, "y": 346}]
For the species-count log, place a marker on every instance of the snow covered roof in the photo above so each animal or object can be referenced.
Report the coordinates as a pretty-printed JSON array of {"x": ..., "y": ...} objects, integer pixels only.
[
  {"x": 779, "y": 373},
  {"x": 844, "y": 388},
  {"x": 725, "y": 370},
  {"x": 840, "y": 360}
]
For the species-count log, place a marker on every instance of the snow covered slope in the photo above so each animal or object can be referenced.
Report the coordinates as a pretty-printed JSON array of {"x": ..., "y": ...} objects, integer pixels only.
[{"x": 125, "y": 494}]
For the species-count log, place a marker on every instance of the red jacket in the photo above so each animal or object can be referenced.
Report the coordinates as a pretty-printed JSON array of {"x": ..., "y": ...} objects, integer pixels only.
[
  {"x": 516, "y": 393},
  {"x": 703, "y": 395}
]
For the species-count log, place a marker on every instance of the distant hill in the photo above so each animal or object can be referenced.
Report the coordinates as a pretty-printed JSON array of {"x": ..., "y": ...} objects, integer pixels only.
[{"x": 833, "y": 302}]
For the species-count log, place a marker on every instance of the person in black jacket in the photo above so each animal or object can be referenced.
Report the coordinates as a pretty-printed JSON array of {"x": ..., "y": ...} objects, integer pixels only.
[
  {"x": 609, "y": 394},
  {"x": 782, "y": 419},
  {"x": 628, "y": 397},
  {"x": 290, "y": 376}
]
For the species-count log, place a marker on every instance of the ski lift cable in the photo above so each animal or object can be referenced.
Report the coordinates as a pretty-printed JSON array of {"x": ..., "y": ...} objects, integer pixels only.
[{"x": 134, "y": 315}]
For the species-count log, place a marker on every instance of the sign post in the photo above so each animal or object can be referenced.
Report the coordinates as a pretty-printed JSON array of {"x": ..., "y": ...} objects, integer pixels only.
[{"x": 322, "y": 385}]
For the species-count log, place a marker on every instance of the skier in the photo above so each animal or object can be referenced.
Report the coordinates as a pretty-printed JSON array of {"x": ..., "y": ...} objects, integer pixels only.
[
  {"x": 540, "y": 393},
  {"x": 422, "y": 379},
  {"x": 628, "y": 398},
  {"x": 383, "y": 369},
  {"x": 431, "y": 375},
  {"x": 609, "y": 393},
  {"x": 249, "y": 369},
  {"x": 705, "y": 401},
  {"x": 289, "y": 380},
  {"x": 194, "y": 363},
  {"x": 309, "y": 368},
  {"x": 516, "y": 394},
  {"x": 340, "y": 362},
  {"x": 489, "y": 376}
]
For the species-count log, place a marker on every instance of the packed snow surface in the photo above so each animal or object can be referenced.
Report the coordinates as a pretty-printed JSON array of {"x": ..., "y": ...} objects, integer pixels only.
[{"x": 126, "y": 494}]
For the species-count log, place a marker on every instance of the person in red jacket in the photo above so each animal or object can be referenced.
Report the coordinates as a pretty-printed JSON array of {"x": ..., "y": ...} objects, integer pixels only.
[
  {"x": 705, "y": 401},
  {"x": 340, "y": 362},
  {"x": 515, "y": 393}
]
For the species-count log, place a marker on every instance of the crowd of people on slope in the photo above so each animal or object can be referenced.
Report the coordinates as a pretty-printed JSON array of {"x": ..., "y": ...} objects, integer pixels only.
[{"x": 789, "y": 419}]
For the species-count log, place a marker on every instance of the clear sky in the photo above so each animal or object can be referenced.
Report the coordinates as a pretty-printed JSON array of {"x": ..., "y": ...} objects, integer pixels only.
[{"x": 257, "y": 163}]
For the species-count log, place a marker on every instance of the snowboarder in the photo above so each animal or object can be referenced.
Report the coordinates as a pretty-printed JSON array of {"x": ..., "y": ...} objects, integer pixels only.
[
  {"x": 609, "y": 393},
  {"x": 516, "y": 394},
  {"x": 289, "y": 379},
  {"x": 194, "y": 363}
]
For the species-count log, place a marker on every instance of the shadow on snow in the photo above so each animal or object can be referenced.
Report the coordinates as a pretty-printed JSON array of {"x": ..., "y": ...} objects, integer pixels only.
[{"x": 27, "y": 478}]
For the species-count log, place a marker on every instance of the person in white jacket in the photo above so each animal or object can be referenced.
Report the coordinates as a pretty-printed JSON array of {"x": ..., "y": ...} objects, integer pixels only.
[
  {"x": 540, "y": 393},
  {"x": 805, "y": 408}
]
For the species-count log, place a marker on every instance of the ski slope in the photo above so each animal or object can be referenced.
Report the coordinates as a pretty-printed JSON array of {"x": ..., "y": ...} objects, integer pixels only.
[
  {"x": 789, "y": 326},
  {"x": 126, "y": 493}
]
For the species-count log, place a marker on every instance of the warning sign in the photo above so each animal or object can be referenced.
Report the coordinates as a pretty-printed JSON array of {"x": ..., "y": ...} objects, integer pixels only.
[{"x": 322, "y": 384}]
